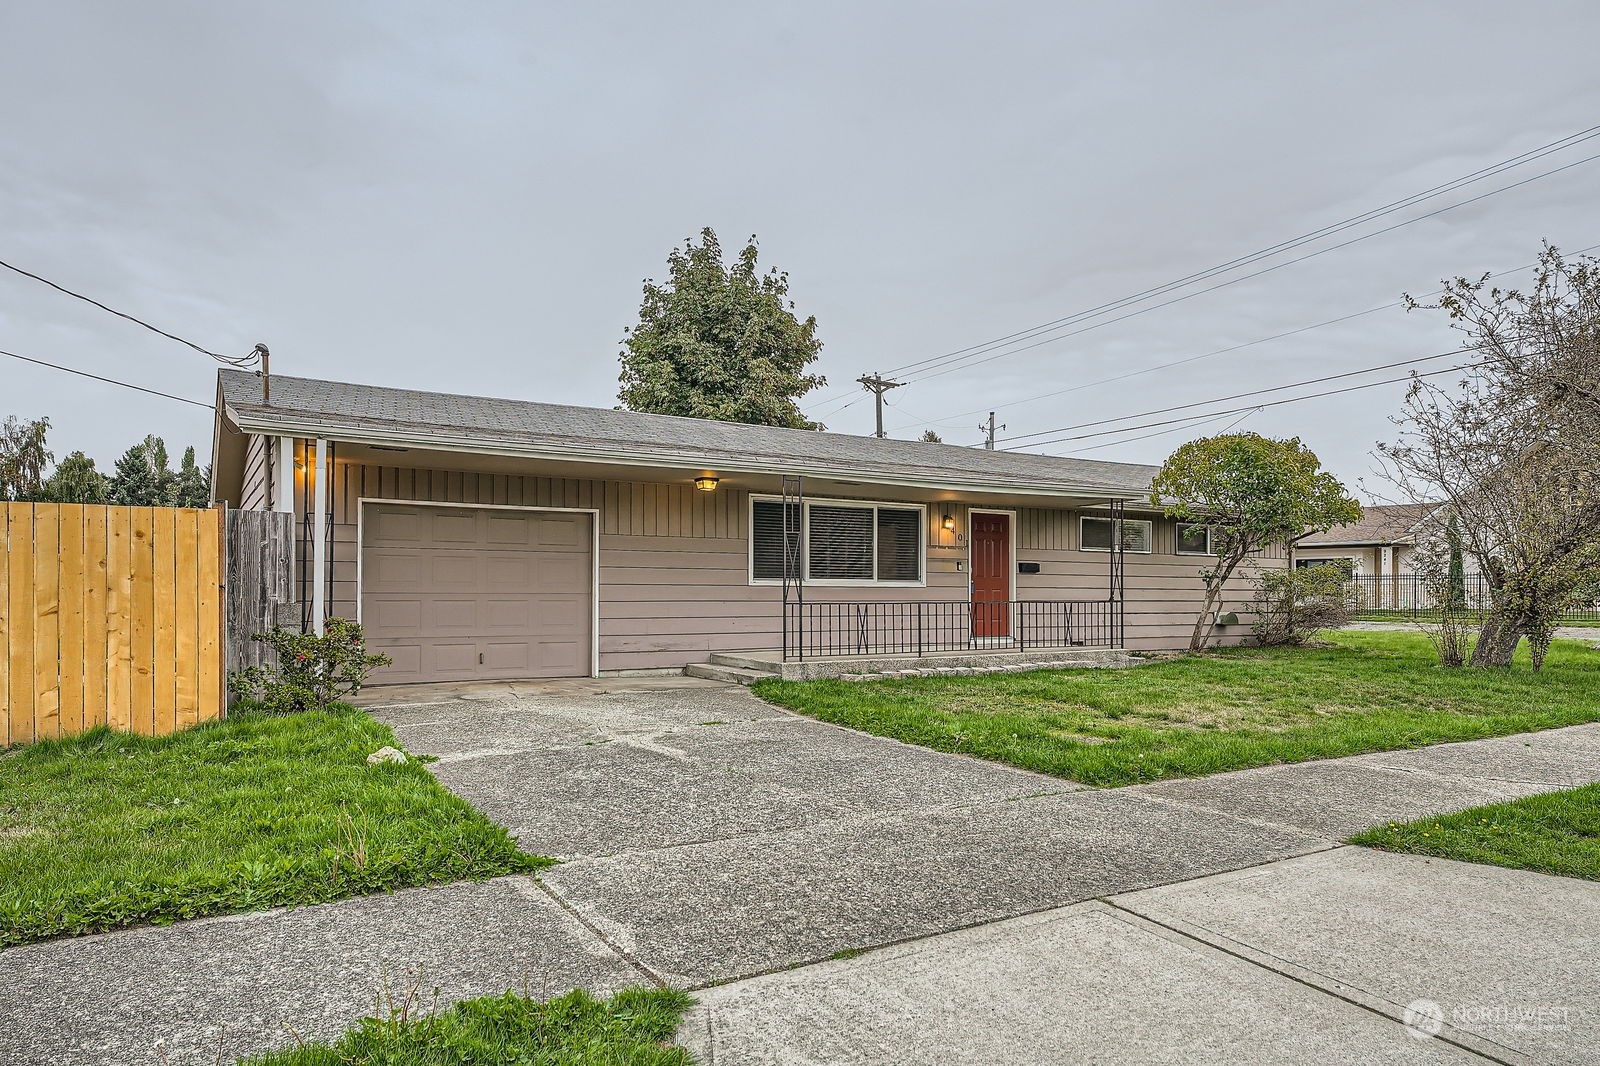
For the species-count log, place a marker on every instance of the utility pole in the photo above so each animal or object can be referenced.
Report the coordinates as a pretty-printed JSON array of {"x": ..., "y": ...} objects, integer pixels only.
[
  {"x": 877, "y": 384},
  {"x": 987, "y": 429}
]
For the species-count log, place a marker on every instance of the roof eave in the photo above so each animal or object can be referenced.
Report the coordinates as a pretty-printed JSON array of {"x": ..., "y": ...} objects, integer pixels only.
[{"x": 275, "y": 421}]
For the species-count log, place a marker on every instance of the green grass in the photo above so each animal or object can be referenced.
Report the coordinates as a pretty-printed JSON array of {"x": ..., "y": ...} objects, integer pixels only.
[
  {"x": 1556, "y": 833},
  {"x": 109, "y": 829},
  {"x": 1230, "y": 709},
  {"x": 630, "y": 1029},
  {"x": 1407, "y": 615}
]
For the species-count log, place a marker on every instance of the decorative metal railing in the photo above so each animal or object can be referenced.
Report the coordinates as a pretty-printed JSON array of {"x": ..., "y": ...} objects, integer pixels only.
[
  {"x": 817, "y": 630},
  {"x": 1411, "y": 596}
]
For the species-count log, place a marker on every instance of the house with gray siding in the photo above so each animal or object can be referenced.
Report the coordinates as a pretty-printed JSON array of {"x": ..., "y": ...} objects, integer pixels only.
[{"x": 479, "y": 538}]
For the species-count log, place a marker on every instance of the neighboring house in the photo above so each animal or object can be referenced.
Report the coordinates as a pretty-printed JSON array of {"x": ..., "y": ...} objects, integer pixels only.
[
  {"x": 1377, "y": 546},
  {"x": 481, "y": 538}
]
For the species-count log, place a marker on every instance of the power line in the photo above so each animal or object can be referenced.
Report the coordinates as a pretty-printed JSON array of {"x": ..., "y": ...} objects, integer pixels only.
[
  {"x": 108, "y": 381},
  {"x": 1478, "y": 175},
  {"x": 1218, "y": 351},
  {"x": 1242, "y": 395},
  {"x": 1203, "y": 420},
  {"x": 230, "y": 360},
  {"x": 967, "y": 365},
  {"x": 1257, "y": 407}
]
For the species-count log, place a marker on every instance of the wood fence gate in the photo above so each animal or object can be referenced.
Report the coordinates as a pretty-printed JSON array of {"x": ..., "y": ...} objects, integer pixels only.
[{"x": 109, "y": 615}]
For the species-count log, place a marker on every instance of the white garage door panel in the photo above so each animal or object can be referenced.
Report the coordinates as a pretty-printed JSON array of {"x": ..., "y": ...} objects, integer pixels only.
[{"x": 456, "y": 593}]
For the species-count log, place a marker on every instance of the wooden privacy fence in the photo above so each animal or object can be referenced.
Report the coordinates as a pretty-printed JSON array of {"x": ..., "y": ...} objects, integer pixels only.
[
  {"x": 109, "y": 615},
  {"x": 260, "y": 546}
]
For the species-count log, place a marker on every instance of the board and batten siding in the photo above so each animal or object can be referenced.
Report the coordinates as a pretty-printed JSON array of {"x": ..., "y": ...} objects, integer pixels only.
[{"x": 674, "y": 578}]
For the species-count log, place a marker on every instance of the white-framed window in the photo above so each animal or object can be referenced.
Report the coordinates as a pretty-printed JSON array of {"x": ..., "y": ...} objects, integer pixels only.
[
  {"x": 1194, "y": 538},
  {"x": 1094, "y": 534},
  {"x": 847, "y": 542}
]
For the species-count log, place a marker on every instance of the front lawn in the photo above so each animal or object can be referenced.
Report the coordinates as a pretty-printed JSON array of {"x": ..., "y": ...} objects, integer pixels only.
[
  {"x": 1229, "y": 709},
  {"x": 1556, "y": 833},
  {"x": 632, "y": 1028},
  {"x": 109, "y": 829}
]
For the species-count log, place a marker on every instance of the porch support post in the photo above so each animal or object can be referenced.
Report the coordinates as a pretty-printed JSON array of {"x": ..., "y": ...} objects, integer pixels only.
[
  {"x": 794, "y": 571},
  {"x": 319, "y": 544},
  {"x": 1117, "y": 590}
]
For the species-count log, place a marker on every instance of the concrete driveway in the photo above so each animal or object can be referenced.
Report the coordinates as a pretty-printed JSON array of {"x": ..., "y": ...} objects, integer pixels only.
[{"x": 713, "y": 842}]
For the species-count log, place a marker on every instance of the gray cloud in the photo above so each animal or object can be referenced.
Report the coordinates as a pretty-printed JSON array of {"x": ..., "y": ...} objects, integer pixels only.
[{"x": 468, "y": 198}]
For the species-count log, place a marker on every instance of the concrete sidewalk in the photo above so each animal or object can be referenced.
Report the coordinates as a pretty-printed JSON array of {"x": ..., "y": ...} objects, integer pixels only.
[
  {"x": 699, "y": 912},
  {"x": 1308, "y": 960},
  {"x": 711, "y": 837}
]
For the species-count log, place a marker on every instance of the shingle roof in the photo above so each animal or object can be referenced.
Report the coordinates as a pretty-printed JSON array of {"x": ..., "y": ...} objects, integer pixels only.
[
  {"x": 375, "y": 413},
  {"x": 1380, "y": 524}
]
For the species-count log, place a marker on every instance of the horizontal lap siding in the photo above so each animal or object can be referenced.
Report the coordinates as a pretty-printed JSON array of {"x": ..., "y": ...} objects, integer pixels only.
[
  {"x": 256, "y": 491},
  {"x": 674, "y": 578},
  {"x": 1164, "y": 590}
]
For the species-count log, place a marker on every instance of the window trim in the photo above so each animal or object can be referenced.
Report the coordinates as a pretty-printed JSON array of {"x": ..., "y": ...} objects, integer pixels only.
[
  {"x": 1177, "y": 539},
  {"x": 820, "y": 582},
  {"x": 1147, "y": 522}
]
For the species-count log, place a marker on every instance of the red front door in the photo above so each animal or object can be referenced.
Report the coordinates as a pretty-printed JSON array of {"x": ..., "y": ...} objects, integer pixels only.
[{"x": 991, "y": 574}]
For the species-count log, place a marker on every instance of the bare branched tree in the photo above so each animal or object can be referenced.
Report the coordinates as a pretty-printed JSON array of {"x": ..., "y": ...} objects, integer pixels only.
[{"x": 1513, "y": 447}]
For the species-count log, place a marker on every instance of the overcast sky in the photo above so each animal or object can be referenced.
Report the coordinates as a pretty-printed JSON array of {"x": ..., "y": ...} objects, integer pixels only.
[{"x": 466, "y": 197}]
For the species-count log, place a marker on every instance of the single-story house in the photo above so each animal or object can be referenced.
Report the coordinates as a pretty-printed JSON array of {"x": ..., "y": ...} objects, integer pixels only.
[
  {"x": 1379, "y": 545},
  {"x": 480, "y": 538}
]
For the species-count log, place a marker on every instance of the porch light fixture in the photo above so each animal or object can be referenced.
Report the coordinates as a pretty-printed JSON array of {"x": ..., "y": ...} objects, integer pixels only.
[
  {"x": 706, "y": 484},
  {"x": 948, "y": 523}
]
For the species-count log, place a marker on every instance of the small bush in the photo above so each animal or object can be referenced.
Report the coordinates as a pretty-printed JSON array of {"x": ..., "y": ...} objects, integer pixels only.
[
  {"x": 312, "y": 671},
  {"x": 1292, "y": 606}
]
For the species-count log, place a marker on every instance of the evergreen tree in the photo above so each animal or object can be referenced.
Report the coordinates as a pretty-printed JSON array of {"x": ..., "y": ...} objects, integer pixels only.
[
  {"x": 143, "y": 477},
  {"x": 1458, "y": 568},
  {"x": 193, "y": 488}
]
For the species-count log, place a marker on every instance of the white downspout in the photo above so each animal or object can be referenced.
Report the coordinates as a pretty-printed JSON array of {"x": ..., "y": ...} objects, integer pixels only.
[
  {"x": 283, "y": 487},
  {"x": 319, "y": 538}
]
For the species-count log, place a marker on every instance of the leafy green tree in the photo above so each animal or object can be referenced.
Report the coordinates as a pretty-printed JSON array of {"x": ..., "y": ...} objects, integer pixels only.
[
  {"x": 720, "y": 342},
  {"x": 143, "y": 476},
  {"x": 1253, "y": 492},
  {"x": 23, "y": 457},
  {"x": 930, "y": 437},
  {"x": 75, "y": 480},
  {"x": 193, "y": 487}
]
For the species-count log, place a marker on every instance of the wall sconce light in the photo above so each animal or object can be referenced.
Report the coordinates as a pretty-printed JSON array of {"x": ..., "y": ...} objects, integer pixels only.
[
  {"x": 706, "y": 484},
  {"x": 948, "y": 523}
]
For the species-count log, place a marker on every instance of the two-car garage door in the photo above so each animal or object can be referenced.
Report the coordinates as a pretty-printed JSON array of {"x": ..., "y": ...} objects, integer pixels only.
[{"x": 468, "y": 593}]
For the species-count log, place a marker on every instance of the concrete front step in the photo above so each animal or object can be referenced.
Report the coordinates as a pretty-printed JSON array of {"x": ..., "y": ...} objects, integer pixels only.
[
  {"x": 771, "y": 664},
  {"x": 722, "y": 672}
]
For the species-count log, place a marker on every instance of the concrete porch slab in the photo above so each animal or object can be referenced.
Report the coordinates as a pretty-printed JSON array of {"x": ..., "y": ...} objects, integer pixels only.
[{"x": 773, "y": 662}]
